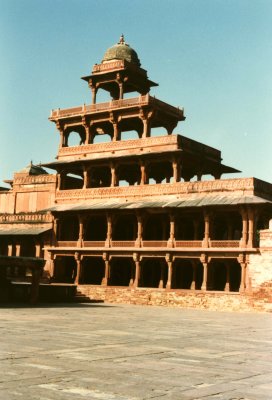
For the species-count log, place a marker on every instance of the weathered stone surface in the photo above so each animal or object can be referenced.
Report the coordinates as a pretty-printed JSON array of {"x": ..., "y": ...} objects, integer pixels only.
[{"x": 126, "y": 352}]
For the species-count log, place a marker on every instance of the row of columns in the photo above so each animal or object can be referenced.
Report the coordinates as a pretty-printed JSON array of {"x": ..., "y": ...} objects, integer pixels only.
[
  {"x": 15, "y": 249},
  {"x": 134, "y": 281},
  {"x": 144, "y": 174},
  {"x": 247, "y": 239}
]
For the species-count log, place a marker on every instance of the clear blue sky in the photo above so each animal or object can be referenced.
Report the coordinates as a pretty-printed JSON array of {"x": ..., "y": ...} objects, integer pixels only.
[{"x": 212, "y": 57}]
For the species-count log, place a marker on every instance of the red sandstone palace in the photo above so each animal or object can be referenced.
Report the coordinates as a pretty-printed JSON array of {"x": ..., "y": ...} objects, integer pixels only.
[{"x": 127, "y": 214}]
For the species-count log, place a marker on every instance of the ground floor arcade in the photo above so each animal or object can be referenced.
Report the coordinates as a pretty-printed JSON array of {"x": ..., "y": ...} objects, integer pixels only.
[{"x": 163, "y": 271}]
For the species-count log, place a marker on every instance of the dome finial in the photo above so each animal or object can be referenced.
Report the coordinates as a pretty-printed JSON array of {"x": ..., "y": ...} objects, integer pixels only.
[{"x": 122, "y": 39}]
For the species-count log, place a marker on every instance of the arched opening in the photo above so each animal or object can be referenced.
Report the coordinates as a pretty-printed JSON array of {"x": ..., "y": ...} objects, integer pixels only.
[
  {"x": 95, "y": 228},
  {"x": 75, "y": 137},
  {"x": 68, "y": 228},
  {"x": 65, "y": 269},
  {"x": 93, "y": 270},
  {"x": 129, "y": 135},
  {"x": 154, "y": 273},
  {"x": 156, "y": 227},
  {"x": 125, "y": 228},
  {"x": 122, "y": 271}
]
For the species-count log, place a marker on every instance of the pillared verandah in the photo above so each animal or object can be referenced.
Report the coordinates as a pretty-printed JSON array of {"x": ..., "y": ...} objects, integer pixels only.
[{"x": 128, "y": 202}]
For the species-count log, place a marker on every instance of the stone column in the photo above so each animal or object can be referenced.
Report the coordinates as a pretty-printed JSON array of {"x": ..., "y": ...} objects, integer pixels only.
[
  {"x": 17, "y": 250},
  {"x": 81, "y": 231},
  {"x": 171, "y": 240},
  {"x": 109, "y": 231},
  {"x": 38, "y": 249},
  {"x": 113, "y": 175},
  {"x": 169, "y": 261},
  {"x": 206, "y": 230},
  {"x": 243, "y": 241},
  {"x": 52, "y": 266},
  {"x": 86, "y": 178},
  {"x": 243, "y": 264},
  {"x": 10, "y": 249},
  {"x": 193, "y": 284},
  {"x": 204, "y": 261},
  {"x": 94, "y": 91},
  {"x": 136, "y": 259},
  {"x": 250, "y": 242},
  {"x": 55, "y": 230},
  {"x": 162, "y": 275},
  {"x": 143, "y": 173},
  {"x": 176, "y": 170},
  {"x": 78, "y": 271},
  {"x": 138, "y": 242},
  {"x": 227, "y": 285},
  {"x": 105, "y": 280}
]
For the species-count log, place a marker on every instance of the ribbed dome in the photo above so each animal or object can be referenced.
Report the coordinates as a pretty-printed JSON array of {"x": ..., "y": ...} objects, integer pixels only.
[{"x": 122, "y": 51}]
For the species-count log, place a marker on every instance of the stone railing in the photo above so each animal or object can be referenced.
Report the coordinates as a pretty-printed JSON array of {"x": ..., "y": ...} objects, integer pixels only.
[
  {"x": 108, "y": 66},
  {"x": 120, "y": 145},
  {"x": 181, "y": 188},
  {"x": 188, "y": 243},
  {"x": 35, "y": 179},
  {"x": 224, "y": 243},
  {"x": 25, "y": 218},
  {"x": 113, "y": 105},
  {"x": 178, "y": 244}
]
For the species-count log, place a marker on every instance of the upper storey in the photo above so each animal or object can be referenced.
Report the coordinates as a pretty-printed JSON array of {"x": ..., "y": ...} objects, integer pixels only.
[{"x": 119, "y": 72}]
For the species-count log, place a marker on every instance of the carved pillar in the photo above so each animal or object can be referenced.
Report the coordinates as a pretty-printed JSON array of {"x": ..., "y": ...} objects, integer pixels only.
[
  {"x": 17, "y": 250},
  {"x": 194, "y": 266},
  {"x": 171, "y": 240},
  {"x": 243, "y": 241},
  {"x": 113, "y": 175},
  {"x": 105, "y": 280},
  {"x": 55, "y": 230},
  {"x": 109, "y": 231},
  {"x": 227, "y": 285},
  {"x": 78, "y": 270},
  {"x": 243, "y": 264},
  {"x": 146, "y": 119},
  {"x": 86, "y": 177},
  {"x": 94, "y": 91},
  {"x": 162, "y": 275},
  {"x": 52, "y": 266},
  {"x": 62, "y": 136},
  {"x": 206, "y": 229},
  {"x": 143, "y": 173},
  {"x": 136, "y": 259},
  {"x": 169, "y": 261},
  {"x": 251, "y": 216},
  {"x": 38, "y": 249},
  {"x": 10, "y": 249},
  {"x": 204, "y": 261},
  {"x": 176, "y": 170},
  {"x": 81, "y": 231},
  {"x": 138, "y": 242}
]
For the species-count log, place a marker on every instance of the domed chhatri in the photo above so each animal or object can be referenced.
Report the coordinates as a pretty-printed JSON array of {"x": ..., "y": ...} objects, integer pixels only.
[
  {"x": 121, "y": 51},
  {"x": 32, "y": 169}
]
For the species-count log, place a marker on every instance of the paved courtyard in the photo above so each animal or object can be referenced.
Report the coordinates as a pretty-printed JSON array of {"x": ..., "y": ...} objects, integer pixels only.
[{"x": 121, "y": 352}]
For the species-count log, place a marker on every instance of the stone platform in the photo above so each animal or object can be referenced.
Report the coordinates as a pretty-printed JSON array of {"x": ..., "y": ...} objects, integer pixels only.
[{"x": 129, "y": 352}]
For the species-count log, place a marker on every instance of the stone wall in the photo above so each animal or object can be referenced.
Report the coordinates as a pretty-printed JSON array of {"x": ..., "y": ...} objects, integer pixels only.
[{"x": 217, "y": 301}]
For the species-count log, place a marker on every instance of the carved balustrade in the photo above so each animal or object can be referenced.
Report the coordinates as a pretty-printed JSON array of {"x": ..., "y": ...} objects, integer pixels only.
[
  {"x": 181, "y": 188},
  {"x": 29, "y": 217},
  {"x": 224, "y": 243}
]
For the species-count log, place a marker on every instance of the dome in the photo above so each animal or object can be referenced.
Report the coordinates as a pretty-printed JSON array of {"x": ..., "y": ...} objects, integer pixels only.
[
  {"x": 121, "y": 51},
  {"x": 32, "y": 169}
]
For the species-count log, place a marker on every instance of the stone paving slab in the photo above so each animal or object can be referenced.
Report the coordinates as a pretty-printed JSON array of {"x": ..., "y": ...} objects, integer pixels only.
[{"x": 127, "y": 352}]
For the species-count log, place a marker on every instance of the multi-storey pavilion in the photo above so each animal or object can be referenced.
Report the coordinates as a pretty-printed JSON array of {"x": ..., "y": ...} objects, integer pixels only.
[{"x": 136, "y": 212}]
